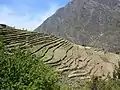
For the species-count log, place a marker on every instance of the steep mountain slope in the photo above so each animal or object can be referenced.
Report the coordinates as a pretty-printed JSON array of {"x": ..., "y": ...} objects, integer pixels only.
[
  {"x": 87, "y": 22},
  {"x": 74, "y": 62}
]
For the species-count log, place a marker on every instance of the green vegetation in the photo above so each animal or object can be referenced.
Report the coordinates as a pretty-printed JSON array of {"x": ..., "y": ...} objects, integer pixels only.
[
  {"x": 111, "y": 84},
  {"x": 21, "y": 71}
]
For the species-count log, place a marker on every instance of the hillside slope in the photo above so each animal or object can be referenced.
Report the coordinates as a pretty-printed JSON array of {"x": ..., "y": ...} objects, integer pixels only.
[
  {"x": 74, "y": 62},
  {"x": 87, "y": 22}
]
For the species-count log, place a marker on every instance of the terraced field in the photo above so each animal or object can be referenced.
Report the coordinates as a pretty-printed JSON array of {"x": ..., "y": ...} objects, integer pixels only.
[{"x": 74, "y": 62}]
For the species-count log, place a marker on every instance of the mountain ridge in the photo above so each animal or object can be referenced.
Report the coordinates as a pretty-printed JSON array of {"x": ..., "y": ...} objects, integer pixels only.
[{"x": 93, "y": 23}]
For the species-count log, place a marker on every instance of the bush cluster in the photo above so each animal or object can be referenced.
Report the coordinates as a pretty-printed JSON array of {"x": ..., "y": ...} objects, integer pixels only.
[{"x": 21, "y": 71}]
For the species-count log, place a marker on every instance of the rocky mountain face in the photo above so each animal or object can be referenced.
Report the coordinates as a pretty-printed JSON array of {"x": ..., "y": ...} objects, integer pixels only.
[{"x": 87, "y": 22}]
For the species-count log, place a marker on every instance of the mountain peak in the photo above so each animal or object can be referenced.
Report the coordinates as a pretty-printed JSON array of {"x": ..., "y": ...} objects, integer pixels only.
[{"x": 87, "y": 22}]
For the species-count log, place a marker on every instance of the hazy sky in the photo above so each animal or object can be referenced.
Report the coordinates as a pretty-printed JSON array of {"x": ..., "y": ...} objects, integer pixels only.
[{"x": 28, "y": 13}]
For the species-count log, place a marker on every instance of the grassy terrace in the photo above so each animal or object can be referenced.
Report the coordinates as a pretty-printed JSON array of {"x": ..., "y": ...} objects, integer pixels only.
[{"x": 75, "y": 63}]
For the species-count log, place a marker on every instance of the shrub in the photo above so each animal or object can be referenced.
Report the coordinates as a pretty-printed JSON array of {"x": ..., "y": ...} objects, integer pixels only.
[
  {"x": 109, "y": 84},
  {"x": 22, "y": 71}
]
